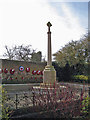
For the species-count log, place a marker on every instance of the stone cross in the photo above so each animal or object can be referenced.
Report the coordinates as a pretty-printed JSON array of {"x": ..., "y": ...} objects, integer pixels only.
[
  {"x": 49, "y": 25},
  {"x": 49, "y": 73}
]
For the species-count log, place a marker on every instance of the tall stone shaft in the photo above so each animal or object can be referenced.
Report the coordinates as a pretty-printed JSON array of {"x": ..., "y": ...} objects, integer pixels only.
[
  {"x": 49, "y": 55},
  {"x": 49, "y": 73}
]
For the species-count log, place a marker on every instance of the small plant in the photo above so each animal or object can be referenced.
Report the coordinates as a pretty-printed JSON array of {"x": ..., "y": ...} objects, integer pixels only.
[
  {"x": 5, "y": 109},
  {"x": 80, "y": 78},
  {"x": 86, "y": 106}
]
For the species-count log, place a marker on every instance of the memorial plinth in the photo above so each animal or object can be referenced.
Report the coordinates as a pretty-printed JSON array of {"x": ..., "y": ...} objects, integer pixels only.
[{"x": 49, "y": 73}]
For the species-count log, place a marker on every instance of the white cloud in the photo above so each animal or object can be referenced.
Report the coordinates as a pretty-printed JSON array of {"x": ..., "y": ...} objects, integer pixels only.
[{"x": 24, "y": 22}]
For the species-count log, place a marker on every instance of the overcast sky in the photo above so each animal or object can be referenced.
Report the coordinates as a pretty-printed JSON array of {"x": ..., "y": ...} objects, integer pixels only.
[{"x": 24, "y": 22}]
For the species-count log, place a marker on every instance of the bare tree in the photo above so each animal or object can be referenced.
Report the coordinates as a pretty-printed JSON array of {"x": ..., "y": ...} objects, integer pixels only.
[{"x": 22, "y": 53}]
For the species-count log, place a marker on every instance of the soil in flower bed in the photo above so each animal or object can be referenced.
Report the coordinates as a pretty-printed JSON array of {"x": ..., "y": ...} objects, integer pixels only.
[
  {"x": 42, "y": 112},
  {"x": 45, "y": 114},
  {"x": 21, "y": 111}
]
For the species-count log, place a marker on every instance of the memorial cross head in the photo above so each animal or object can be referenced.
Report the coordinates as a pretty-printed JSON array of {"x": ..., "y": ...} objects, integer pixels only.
[{"x": 49, "y": 25}]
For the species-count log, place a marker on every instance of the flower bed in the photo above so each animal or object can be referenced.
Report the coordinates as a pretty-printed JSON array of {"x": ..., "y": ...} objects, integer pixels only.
[{"x": 54, "y": 101}]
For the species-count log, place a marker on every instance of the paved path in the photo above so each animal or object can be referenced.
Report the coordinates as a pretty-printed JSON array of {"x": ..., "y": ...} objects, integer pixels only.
[
  {"x": 18, "y": 88},
  {"x": 76, "y": 84}
]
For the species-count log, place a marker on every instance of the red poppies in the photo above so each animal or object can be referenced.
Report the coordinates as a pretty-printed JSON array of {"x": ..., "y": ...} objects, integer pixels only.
[
  {"x": 34, "y": 72},
  {"x": 41, "y": 72},
  {"x": 12, "y": 71},
  {"x": 6, "y": 70},
  {"x": 27, "y": 69},
  {"x": 38, "y": 72}
]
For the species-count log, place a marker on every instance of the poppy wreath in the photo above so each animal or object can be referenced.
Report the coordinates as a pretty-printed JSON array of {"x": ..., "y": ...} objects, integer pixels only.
[
  {"x": 27, "y": 69},
  {"x": 34, "y": 72},
  {"x": 5, "y": 70},
  {"x": 38, "y": 72},
  {"x": 41, "y": 72},
  {"x": 21, "y": 68},
  {"x": 1, "y": 70},
  {"x": 35, "y": 78},
  {"x": 41, "y": 77},
  {"x": 12, "y": 71},
  {"x": 22, "y": 78}
]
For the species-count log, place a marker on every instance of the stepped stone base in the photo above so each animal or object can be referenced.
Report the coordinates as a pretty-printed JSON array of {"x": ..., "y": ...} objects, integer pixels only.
[{"x": 49, "y": 75}]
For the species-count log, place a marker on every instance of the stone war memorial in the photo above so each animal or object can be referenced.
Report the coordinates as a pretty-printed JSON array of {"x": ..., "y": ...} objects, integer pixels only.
[
  {"x": 31, "y": 90},
  {"x": 12, "y": 71},
  {"x": 49, "y": 73}
]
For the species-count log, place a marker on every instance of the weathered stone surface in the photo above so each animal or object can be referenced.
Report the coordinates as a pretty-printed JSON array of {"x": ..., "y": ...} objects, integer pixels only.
[
  {"x": 49, "y": 73},
  {"x": 49, "y": 76}
]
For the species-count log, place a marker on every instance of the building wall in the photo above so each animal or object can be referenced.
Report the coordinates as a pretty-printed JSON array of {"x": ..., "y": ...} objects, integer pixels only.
[
  {"x": 18, "y": 75},
  {"x": 36, "y": 57}
]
